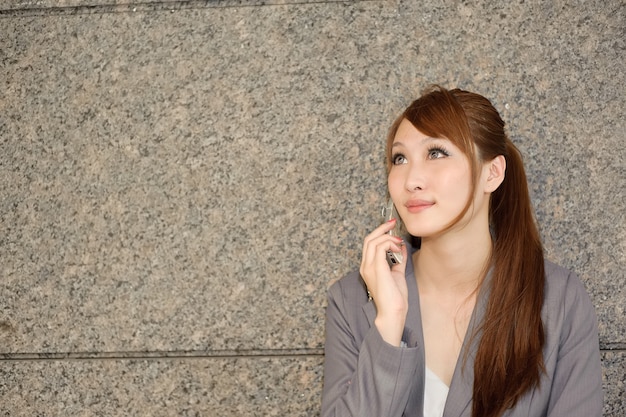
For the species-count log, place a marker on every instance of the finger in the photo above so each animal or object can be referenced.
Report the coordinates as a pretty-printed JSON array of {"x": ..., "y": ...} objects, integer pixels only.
[
  {"x": 378, "y": 246},
  {"x": 386, "y": 226},
  {"x": 376, "y": 260},
  {"x": 381, "y": 230}
]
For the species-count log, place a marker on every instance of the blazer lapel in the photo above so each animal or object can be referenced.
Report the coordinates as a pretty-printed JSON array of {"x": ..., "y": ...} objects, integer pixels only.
[
  {"x": 415, "y": 406},
  {"x": 462, "y": 385},
  {"x": 460, "y": 393}
]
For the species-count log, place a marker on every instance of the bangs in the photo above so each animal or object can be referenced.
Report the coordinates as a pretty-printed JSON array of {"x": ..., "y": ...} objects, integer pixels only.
[{"x": 438, "y": 114}]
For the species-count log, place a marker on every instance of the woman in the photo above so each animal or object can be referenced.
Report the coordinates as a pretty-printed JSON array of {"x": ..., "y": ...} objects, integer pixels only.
[{"x": 473, "y": 321}]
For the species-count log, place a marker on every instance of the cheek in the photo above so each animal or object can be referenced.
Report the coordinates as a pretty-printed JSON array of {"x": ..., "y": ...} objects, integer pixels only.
[
  {"x": 458, "y": 177},
  {"x": 460, "y": 187},
  {"x": 394, "y": 183}
]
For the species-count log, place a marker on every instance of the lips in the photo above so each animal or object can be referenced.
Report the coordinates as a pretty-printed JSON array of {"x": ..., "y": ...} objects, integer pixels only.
[{"x": 415, "y": 206}]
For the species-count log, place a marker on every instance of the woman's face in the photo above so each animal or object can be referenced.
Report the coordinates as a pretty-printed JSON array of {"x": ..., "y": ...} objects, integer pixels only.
[{"x": 429, "y": 181}]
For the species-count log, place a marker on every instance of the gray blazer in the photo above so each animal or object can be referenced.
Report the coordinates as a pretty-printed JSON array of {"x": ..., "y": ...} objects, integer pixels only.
[{"x": 366, "y": 377}]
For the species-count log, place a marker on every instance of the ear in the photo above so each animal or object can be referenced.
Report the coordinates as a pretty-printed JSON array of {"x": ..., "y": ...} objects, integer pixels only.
[{"x": 495, "y": 173}]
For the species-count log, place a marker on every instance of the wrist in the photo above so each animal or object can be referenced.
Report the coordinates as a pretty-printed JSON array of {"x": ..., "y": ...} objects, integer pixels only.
[{"x": 391, "y": 328}]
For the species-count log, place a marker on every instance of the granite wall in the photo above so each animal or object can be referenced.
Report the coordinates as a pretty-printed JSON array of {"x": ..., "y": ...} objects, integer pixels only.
[{"x": 180, "y": 181}]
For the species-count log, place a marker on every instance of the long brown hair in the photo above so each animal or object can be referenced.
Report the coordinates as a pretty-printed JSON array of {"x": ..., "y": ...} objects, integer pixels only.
[{"x": 509, "y": 359}]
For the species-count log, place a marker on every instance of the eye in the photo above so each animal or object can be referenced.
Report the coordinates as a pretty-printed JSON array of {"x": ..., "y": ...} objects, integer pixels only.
[
  {"x": 437, "y": 153},
  {"x": 398, "y": 159}
]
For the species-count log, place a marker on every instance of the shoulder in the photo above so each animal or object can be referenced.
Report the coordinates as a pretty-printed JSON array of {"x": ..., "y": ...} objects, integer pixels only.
[
  {"x": 349, "y": 306},
  {"x": 350, "y": 289},
  {"x": 562, "y": 286},
  {"x": 568, "y": 310},
  {"x": 571, "y": 350}
]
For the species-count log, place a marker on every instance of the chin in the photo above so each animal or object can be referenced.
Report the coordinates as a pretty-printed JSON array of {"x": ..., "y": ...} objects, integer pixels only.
[
  {"x": 420, "y": 232},
  {"x": 416, "y": 232}
]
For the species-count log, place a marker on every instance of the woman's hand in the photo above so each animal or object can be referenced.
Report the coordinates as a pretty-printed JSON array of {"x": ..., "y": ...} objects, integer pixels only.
[{"x": 387, "y": 286}]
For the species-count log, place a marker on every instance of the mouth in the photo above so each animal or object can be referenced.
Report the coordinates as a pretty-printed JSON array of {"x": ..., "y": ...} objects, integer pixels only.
[{"x": 415, "y": 206}]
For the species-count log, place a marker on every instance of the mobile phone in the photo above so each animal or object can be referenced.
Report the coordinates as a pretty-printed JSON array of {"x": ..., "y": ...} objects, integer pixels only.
[{"x": 389, "y": 212}]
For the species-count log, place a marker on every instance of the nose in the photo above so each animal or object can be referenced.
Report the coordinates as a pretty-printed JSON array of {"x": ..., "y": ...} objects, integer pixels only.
[{"x": 415, "y": 179}]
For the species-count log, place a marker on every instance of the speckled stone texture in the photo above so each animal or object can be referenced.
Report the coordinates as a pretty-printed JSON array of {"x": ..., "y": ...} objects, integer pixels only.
[
  {"x": 181, "y": 181},
  {"x": 260, "y": 387}
]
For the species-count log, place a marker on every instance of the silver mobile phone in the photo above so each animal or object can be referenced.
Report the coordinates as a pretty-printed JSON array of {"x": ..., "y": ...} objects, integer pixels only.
[{"x": 389, "y": 212}]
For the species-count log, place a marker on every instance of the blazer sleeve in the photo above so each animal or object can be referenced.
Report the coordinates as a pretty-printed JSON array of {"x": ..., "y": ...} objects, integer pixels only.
[
  {"x": 577, "y": 381},
  {"x": 366, "y": 378}
]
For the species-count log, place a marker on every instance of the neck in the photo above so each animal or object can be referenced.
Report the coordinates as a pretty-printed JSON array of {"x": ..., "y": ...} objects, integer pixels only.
[{"x": 455, "y": 261}]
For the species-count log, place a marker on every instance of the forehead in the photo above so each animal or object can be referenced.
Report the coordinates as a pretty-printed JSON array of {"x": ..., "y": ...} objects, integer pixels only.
[
  {"x": 407, "y": 134},
  {"x": 406, "y": 130}
]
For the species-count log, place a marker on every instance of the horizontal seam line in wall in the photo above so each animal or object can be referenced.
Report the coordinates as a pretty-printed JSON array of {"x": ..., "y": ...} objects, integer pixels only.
[
  {"x": 610, "y": 347},
  {"x": 156, "y": 355},
  {"x": 615, "y": 350},
  {"x": 138, "y": 6}
]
